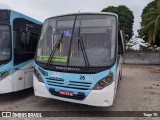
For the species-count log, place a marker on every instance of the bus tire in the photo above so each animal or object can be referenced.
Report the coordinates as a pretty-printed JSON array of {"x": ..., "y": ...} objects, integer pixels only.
[
  {"x": 119, "y": 78},
  {"x": 120, "y": 75},
  {"x": 117, "y": 87}
]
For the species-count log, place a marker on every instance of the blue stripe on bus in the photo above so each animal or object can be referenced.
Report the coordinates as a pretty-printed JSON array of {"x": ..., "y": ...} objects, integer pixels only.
[
  {"x": 11, "y": 67},
  {"x": 75, "y": 77}
]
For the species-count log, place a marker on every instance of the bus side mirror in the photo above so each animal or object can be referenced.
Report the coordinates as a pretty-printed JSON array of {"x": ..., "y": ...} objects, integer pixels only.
[{"x": 120, "y": 49}]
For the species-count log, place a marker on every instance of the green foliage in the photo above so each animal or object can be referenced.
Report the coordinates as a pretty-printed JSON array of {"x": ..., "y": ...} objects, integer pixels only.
[
  {"x": 151, "y": 22},
  {"x": 152, "y": 5},
  {"x": 126, "y": 18}
]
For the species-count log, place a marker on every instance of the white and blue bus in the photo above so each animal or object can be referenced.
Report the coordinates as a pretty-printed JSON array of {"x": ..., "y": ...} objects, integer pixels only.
[
  {"x": 19, "y": 35},
  {"x": 79, "y": 58}
]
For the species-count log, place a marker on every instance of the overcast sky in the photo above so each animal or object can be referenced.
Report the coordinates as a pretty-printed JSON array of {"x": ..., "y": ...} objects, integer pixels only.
[{"x": 42, "y": 9}]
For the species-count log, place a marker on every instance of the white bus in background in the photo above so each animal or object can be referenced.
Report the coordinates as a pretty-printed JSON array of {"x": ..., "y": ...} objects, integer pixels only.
[{"x": 18, "y": 39}]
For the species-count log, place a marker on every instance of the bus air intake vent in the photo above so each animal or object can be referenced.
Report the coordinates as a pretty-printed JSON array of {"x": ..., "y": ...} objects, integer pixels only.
[{"x": 52, "y": 81}]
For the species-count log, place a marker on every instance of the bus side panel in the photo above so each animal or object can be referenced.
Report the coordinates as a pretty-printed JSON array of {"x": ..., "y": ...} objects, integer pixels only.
[
  {"x": 23, "y": 77},
  {"x": 18, "y": 80},
  {"x": 6, "y": 85},
  {"x": 28, "y": 75}
]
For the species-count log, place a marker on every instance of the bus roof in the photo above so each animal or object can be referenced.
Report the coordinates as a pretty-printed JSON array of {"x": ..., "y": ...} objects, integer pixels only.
[
  {"x": 21, "y": 15},
  {"x": 86, "y": 13}
]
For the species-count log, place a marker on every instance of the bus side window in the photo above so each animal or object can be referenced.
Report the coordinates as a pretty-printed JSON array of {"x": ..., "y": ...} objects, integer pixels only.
[
  {"x": 25, "y": 45},
  {"x": 120, "y": 49},
  {"x": 32, "y": 41},
  {"x": 25, "y": 40}
]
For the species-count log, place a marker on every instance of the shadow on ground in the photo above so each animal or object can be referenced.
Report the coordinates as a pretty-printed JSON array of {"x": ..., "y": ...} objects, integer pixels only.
[{"x": 14, "y": 96}]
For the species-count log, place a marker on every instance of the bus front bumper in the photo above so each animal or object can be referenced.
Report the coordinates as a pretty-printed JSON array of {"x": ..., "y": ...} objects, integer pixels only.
[
  {"x": 102, "y": 97},
  {"x": 5, "y": 85}
]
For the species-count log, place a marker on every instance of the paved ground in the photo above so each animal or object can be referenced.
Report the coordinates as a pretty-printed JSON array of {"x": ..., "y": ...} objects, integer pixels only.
[{"x": 139, "y": 90}]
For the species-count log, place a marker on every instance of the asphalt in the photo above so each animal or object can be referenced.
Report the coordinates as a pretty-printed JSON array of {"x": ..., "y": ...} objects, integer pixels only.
[{"x": 139, "y": 90}]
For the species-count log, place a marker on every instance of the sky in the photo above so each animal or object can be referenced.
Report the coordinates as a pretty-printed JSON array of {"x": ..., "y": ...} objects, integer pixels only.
[{"x": 42, "y": 9}]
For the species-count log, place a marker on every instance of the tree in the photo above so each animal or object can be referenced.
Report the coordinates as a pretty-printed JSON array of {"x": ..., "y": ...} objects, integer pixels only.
[
  {"x": 147, "y": 9},
  {"x": 126, "y": 18},
  {"x": 151, "y": 22}
]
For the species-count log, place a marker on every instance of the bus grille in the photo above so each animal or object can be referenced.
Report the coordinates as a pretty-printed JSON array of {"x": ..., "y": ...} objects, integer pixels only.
[{"x": 72, "y": 84}]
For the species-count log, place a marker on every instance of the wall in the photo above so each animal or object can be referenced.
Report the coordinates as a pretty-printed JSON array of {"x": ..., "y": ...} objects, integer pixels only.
[{"x": 142, "y": 58}]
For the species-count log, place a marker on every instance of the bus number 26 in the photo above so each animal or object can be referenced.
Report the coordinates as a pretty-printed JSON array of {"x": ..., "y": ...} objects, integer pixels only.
[{"x": 83, "y": 77}]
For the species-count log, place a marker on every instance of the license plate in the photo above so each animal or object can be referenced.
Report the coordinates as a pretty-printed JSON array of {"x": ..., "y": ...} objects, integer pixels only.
[{"x": 66, "y": 93}]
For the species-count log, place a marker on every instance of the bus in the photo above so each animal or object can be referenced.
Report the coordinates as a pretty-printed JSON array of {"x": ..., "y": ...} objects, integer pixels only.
[
  {"x": 19, "y": 35},
  {"x": 79, "y": 58}
]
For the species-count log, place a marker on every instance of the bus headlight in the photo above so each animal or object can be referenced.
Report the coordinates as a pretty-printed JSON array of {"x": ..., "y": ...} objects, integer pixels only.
[
  {"x": 38, "y": 76},
  {"x": 104, "y": 82},
  {"x": 4, "y": 74}
]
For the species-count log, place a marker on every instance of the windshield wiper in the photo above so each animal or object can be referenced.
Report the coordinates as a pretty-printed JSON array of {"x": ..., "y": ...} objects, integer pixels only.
[
  {"x": 69, "y": 53},
  {"x": 80, "y": 41},
  {"x": 54, "y": 49}
]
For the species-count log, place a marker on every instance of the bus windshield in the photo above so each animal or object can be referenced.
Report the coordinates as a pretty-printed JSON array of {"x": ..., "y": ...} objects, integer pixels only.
[
  {"x": 78, "y": 40},
  {"x": 5, "y": 44}
]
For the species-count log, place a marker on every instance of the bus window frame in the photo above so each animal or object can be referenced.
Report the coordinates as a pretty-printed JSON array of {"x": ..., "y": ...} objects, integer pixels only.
[
  {"x": 17, "y": 27},
  {"x": 82, "y": 69},
  {"x": 10, "y": 30}
]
